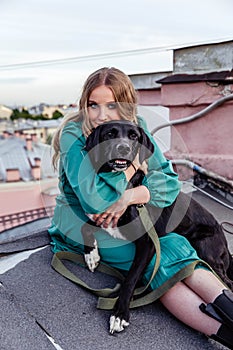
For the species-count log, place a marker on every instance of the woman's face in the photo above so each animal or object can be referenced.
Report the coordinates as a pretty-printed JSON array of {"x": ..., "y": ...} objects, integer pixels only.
[{"x": 102, "y": 106}]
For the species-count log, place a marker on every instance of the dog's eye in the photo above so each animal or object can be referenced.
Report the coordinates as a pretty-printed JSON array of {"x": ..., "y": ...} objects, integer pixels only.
[
  {"x": 133, "y": 136},
  {"x": 110, "y": 134}
]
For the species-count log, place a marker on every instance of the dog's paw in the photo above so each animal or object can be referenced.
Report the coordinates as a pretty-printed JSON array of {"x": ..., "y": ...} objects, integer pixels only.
[
  {"x": 92, "y": 259},
  {"x": 117, "y": 324}
]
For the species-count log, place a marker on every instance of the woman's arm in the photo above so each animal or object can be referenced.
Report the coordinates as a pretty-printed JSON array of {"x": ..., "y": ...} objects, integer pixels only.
[
  {"x": 161, "y": 180},
  {"x": 136, "y": 195}
]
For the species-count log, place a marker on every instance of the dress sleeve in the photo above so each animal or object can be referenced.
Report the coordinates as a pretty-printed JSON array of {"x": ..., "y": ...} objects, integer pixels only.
[
  {"x": 161, "y": 180},
  {"x": 95, "y": 192}
]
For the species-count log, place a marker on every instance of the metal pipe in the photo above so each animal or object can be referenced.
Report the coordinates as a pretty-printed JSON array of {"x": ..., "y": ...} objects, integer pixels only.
[
  {"x": 197, "y": 115},
  {"x": 201, "y": 170},
  {"x": 212, "y": 197}
]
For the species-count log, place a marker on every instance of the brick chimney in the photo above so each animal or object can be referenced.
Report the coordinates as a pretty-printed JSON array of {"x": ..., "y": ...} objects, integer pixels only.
[
  {"x": 35, "y": 170},
  {"x": 34, "y": 137},
  {"x": 22, "y": 135},
  {"x": 37, "y": 161},
  {"x": 12, "y": 175},
  {"x": 17, "y": 133},
  {"x": 28, "y": 144},
  {"x": 6, "y": 134}
]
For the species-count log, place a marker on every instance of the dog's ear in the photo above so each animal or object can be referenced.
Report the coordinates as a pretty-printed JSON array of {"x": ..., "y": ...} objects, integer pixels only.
[
  {"x": 93, "y": 139},
  {"x": 147, "y": 147},
  {"x": 92, "y": 145}
]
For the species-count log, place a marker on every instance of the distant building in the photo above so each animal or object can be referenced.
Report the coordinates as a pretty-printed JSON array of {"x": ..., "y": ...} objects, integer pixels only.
[
  {"x": 5, "y": 112},
  {"x": 48, "y": 110},
  {"x": 28, "y": 183},
  {"x": 42, "y": 129},
  {"x": 44, "y": 109},
  {"x": 23, "y": 152}
]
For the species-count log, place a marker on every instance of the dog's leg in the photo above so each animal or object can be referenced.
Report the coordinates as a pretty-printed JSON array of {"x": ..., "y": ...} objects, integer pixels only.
[
  {"x": 91, "y": 254},
  {"x": 144, "y": 252}
]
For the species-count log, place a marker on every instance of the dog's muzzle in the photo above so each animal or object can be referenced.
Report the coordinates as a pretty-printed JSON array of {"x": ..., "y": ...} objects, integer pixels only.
[
  {"x": 123, "y": 149},
  {"x": 119, "y": 164},
  {"x": 121, "y": 156}
]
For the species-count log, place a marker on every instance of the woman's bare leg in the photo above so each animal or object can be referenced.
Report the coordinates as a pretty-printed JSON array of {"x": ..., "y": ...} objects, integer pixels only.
[
  {"x": 184, "y": 304},
  {"x": 205, "y": 284}
]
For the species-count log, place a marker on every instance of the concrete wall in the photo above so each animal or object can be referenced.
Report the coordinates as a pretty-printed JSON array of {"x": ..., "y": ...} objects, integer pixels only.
[
  {"x": 208, "y": 140},
  {"x": 22, "y": 196},
  {"x": 204, "y": 58}
]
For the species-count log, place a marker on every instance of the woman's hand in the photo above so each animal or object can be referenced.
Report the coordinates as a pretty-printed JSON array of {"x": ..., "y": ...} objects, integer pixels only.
[
  {"x": 114, "y": 212},
  {"x": 137, "y": 195}
]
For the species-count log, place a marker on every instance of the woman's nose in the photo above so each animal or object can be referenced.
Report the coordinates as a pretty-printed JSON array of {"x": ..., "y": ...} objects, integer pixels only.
[{"x": 102, "y": 113}]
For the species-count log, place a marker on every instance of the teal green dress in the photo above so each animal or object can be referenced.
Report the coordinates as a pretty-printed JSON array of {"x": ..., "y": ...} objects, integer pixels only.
[{"x": 83, "y": 191}]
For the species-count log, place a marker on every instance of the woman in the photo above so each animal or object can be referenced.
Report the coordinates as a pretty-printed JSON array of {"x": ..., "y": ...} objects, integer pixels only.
[{"x": 108, "y": 94}]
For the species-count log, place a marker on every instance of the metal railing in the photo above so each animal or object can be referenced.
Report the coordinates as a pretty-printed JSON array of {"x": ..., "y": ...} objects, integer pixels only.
[{"x": 12, "y": 220}]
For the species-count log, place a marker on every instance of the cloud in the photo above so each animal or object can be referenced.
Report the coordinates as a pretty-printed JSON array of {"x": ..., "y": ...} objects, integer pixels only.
[
  {"x": 20, "y": 80},
  {"x": 54, "y": 29}
]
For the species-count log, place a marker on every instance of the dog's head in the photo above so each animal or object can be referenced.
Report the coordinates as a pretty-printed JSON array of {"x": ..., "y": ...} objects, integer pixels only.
[{"x": 114, "y": 145}]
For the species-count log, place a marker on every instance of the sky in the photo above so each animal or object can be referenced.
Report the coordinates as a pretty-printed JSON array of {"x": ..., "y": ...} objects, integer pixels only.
[{"x": 53, "y": 32}]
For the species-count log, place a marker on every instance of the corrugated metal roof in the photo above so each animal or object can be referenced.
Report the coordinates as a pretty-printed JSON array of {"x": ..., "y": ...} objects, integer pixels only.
[
  {"x": 30, "y": 123},
  {"x": 14, "y": 154}
]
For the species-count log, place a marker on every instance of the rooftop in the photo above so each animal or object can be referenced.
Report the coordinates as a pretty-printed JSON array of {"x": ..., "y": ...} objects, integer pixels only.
[
  {"x": 224, "y": 77},
  {"x": 15, "y": 154},
  {"x": 43, "y": 310}
]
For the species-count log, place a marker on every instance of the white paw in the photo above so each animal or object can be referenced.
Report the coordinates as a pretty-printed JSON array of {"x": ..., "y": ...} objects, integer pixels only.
[
  {"x": 92, "y": 259},
  {"x": 117, "y": 325}
]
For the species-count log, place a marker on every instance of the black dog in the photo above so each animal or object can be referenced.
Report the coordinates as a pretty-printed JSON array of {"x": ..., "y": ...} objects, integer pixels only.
[{"x": 113, "y": 146}]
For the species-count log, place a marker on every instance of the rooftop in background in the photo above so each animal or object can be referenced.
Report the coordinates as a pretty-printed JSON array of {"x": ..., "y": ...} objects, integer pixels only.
[
  {"x": 223, "y": 77},
  {"x": 197, "y": 59},
  {"x": 22, "y": 153}
]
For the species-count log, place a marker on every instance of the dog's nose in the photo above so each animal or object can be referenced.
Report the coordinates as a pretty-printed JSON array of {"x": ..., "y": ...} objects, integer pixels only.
[{"x": 123, "y": 149}]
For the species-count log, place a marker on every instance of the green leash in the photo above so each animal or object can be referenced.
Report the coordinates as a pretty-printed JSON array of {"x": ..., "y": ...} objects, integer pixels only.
[
  {"x": 58, "y": 265},
  {"x": 104, "y": 301}
]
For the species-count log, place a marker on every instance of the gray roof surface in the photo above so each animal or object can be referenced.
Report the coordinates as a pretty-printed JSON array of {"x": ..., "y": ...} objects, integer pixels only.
[
  {"x": 36, "y": 300},
  {"x": 30, "y": 123},
  {"x": 13, "y": 154}
]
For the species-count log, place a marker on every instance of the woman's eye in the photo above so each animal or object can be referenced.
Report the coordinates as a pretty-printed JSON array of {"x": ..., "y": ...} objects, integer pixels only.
[
  {"x": 112, "y": 105},
  {"x": 93, "y": 105}
]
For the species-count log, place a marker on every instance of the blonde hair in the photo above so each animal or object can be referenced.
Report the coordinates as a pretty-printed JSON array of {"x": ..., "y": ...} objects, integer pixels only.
[{"x": 123, "y": 92}]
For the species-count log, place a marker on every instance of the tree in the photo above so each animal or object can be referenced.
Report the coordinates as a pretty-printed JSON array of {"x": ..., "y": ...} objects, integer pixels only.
[
  {"x": 57, "y": 114},
  {"x": 49, "y": 139},
  {"x": 15, "y": 114},
  {"x": 24, "y": 114}
]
